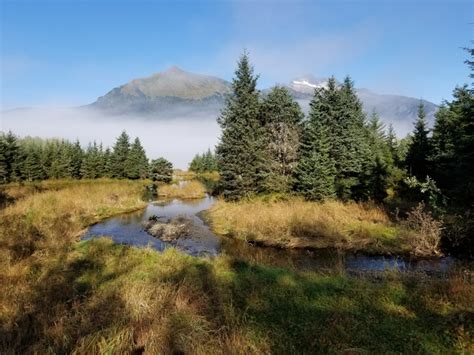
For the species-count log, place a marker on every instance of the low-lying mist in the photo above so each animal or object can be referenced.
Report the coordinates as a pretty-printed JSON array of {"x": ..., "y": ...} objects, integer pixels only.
[{"x": 176, "y": 137}]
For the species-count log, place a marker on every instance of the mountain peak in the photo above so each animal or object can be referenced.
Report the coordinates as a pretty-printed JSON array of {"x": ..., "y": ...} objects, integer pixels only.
[
  {"x": 307, "y": 83},
  {"x": 174, "y": 69},
  {"x": 172, "y": 85}
]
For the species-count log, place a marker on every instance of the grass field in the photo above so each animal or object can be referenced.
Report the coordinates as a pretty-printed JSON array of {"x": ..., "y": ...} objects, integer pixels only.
[
  {"x": 296, "y": 223},
  {"x": 61, "y": 295}
]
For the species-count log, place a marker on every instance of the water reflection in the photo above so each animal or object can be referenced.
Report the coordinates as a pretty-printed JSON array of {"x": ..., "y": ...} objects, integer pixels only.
[{"x": 128, "y": 229}]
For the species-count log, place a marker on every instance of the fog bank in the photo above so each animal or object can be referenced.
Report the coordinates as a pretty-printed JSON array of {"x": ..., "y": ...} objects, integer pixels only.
[{"x": 176, "y": 137}]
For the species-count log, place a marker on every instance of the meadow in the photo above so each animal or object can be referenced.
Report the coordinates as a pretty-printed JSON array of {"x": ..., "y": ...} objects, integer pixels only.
[
  {"x": 292, "y": 222},
  {"x": 63, "y": 295}
]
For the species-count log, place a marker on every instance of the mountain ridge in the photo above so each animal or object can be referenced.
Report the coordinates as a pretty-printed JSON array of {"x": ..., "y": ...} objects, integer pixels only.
[{"x": 179, "y": 92}]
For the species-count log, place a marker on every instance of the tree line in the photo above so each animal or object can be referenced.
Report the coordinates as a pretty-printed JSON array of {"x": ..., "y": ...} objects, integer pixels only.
[
  {"x": 267, "y": 145},
  {"x": 204, "y": 163},
  {"x": 31, "y": 159}
]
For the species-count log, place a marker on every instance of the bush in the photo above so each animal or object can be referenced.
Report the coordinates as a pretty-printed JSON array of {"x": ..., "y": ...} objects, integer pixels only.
[
  {"x": 161, "y": 170},
  {"x": 426, "y": 231}
]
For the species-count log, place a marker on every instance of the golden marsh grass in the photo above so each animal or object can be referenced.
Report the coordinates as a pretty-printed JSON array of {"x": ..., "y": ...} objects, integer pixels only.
[
  {"x": 296, "y": 223},
  {"x": 94, "y": 297}
]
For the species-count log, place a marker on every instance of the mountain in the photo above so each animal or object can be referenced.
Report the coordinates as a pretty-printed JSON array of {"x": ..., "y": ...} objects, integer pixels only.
[
  {"x": 165, "y": 93},
  {"x": 178, "y": 93},
  {"x": 306, "y": 85},
  {"x": 399, "y": 110}
]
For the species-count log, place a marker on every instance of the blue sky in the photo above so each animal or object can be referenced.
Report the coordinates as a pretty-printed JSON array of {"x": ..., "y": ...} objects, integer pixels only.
[{"x": 70, "y": 52}]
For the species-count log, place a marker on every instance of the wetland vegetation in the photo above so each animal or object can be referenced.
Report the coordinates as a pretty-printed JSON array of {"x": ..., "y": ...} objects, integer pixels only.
[
  {"x": 296, "y": 207},
  {"x": 65, "y": 295}
]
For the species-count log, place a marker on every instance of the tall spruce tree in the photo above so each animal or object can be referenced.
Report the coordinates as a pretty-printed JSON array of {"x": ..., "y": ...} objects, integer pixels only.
[
  {"x": 137, "y": 162},
  {"x": 281, "y": 117},
  {"x": 350, "y": 146},
  {"x": 375, "y": 184},
  {"x": 120, "y": 156},
  {"x": 316, "y": 171},
  {"x": 463, "y": 106},
  {"x": 420, "y": 147},
  {"x": 241, "y": 149},
  {"x": 453, "y": 147}
]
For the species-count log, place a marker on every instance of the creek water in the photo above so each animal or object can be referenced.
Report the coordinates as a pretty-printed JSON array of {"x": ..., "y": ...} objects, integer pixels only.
[{"x": 202, "y": 242}]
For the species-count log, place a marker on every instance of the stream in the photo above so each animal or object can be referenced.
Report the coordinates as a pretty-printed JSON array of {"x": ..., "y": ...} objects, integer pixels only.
[{"x": 202, "y": 242}]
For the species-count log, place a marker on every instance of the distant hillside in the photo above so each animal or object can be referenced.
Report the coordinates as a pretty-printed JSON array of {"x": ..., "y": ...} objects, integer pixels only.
[
  {"x": 178, "y": 93},
  {"x": 401, "y": 111},
  {"x": 166, "y": 92}
]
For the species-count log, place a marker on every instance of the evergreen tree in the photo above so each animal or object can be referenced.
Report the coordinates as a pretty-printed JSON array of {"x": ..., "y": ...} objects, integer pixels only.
[
  {"x": 209, "y": 161},
  {"x": 58, "y": 159},
  {"x": 65, "y": 159},
  {"x": 120, "y": 156},
  {"x": 108, "y": 163},
  {"x": 12, "y": 157},
  {"x": 241, "y": 148},
  {"x": 420, "y": 148},
  {"x": 76, "y": 154},
  {"x": 443, "y": 155},
  {"x": 281, "y": 117},
  {"x": 470, "y": 62},
  {"x": 137, "y": 162},
  {"x": 206, "y": 162},
  {"x": 315, "y": 173},
  {"x": 3, "y": 160},
  {"x": 31, "y": 167},
  {"x": 453, "y": 147},
  {"x": 376, "y": 182},
  {"x": 101, "y": 161},
  {"x": 393, "y": 146},
  {"x": 338, "y": 113},
  {"x": 91, "y": 164},
  {"x": 196, "y": 164},
  {"x": 463, "y": 107},
  {"x": 161, "y": 170},
  {"x": 350, "y": 148}
]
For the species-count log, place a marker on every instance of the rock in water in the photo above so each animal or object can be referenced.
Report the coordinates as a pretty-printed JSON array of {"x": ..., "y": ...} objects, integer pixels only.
[{"x": 167, "y": 231}]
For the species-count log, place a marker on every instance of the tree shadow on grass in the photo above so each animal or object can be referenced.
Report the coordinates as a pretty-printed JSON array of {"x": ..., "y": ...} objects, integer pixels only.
[
  {"x": 54, "y": 315},
  {"x": 271, "y": 309},
  {"x": 320, "y": 314}
]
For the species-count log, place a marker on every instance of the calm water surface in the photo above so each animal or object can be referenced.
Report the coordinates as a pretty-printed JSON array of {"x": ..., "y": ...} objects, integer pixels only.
[{"x": 127, "y": 229}]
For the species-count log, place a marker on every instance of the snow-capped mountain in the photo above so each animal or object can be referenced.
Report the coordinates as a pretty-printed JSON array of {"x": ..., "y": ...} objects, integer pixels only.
[
  {"x": 399, "y": 110},
  {"x": 307, "y": 84}
]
